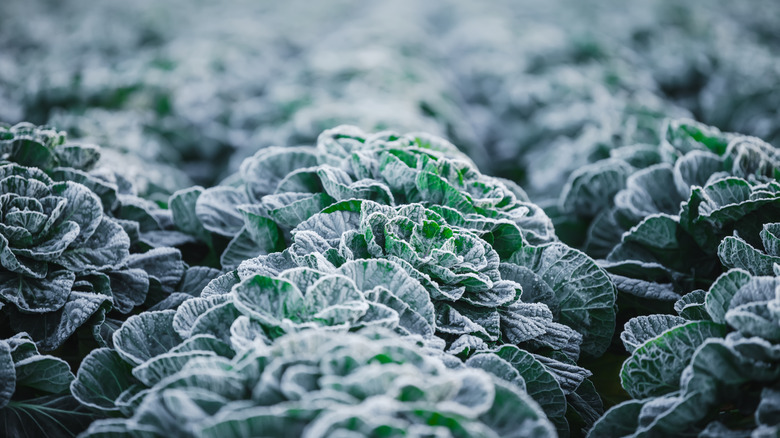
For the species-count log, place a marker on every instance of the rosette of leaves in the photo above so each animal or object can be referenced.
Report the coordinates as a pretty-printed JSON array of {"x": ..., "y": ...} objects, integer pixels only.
[
  {"x": 147, "y": 224},
  {"x": 665, "y": 256},
  {"x": 44, "y": 147},
  {"x": 248, "y": 307},
  {"x": 278, "y": 188},
  {"x": 659, "y": 227},
  {"x": 48, "y": 149},
  {"x": 590, "y": 197},
  {"x": 265, "y": 302},
  {"x": 452, "y": 256},
  {"x": 67, "y": 245},
  {"x": 56, "y": 246},
  {"x": 313, "y": 286},
  {"x": 588, "y": 202},
  {"x": 150, "y": 227},
  {"x": 714, "y": 370},
  {"x": 35, "y": 397},
  {"x": 315, "y": 384},
  {"x": 550, "y": 300}
]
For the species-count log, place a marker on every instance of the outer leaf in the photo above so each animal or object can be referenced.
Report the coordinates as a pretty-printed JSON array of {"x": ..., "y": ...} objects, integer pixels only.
[
  {"x": 695, "y": 169},
  {"x": 44, "y": 373},
  {"x": 34, "y": 295},
  {"x": 590, "y": 189},
  {"x": 196, "y": 278},
  {"x": 102, "y": 377},
  {"x": 77, "y": 156},
  {"x": 165, "y": 365},
  {"x": 129, "y": 288},
  {"x": 724, "y": 204},
  {"x": 269, "y": 166},
  {"x": 241, "y": 247},
  {"x": 215, "y": 321},
  {"x": 540, "y": 384},
  {"x": 641, "y": 329},
  {"x": 586, "y": 402},
  {"x": 183, "y": 204},
  {"x": 163, "y": 265},
  {"x": 145, "y": 336},
  {"x": 754, "y": 319},
  {"x": 51, "y": 329},
  {"x": 684, "y": 135},
  {"x": 655, "y": 231},
  {"x": 770, "y": 237},
  {"x": 620, "y": 420},
  {"x": 584, "y": 292},
  {"x": 55, "y": 415},
  {"x": 263, "y": 231},
  {"x": 649, "y": 191},
  {"x": 736, "y": 253},
  {"x": 509, "y": 404},
  {"x": 655, "y": 367},
  {"x": 83, "y": 208},
  {"x": 107, "y": 247},
  {"x": 217, "y": 210},
  {"x": 107, "y": 192},
  {"x": 269, "y": 300},
  {"x": 31, "y": 153},
  {"x": 691, "y": 306},
  {"x": 189, "y": 311},
  {"x": 718, "y": 299},
  {"x": 289, "y": 212}
]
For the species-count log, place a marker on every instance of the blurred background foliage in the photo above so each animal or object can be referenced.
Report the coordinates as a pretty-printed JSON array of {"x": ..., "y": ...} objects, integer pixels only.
[{"x": 179, "y": 92}]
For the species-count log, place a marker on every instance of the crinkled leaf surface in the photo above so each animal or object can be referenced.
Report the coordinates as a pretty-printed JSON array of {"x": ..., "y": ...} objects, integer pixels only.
[
  {"x": 655, "y": 367},
  {"x": 583, "y": 291},
  {"x": 102, "y": 377}
]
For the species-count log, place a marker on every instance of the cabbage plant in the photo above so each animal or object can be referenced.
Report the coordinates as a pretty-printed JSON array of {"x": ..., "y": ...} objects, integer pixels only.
[
  {"x": 74, "y": 244},
  {"x": 522, "y": 294},
  {"x": 353, "y": 267},
  {"x": 235, "y": 312},
  {"x": 57, "y": 246},
  {"x": 550, "y": 300},
  {"x": 658, "y": 214},
  {"x": 711, "y": 370},
  {"x": 315, "y": 384},
  {"x": 44, "y": 147},
  {"x": 278, "y": 188}
]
